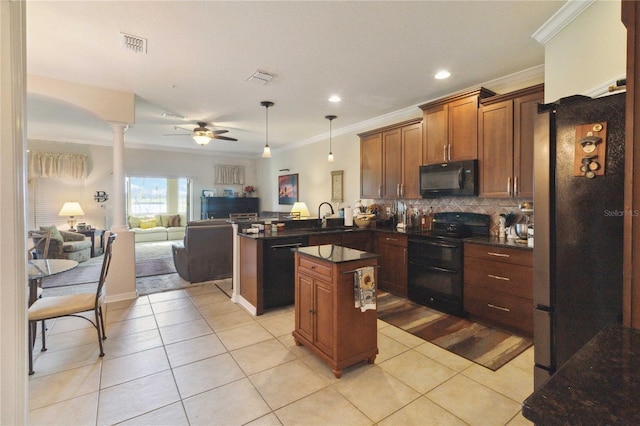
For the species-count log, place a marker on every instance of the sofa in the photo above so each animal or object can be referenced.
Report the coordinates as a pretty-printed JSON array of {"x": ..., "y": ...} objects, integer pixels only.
[
  {"x": 66, "y": 245},
  {"x": 158, "y": 227},
  {"x": 206, "y": 252}
]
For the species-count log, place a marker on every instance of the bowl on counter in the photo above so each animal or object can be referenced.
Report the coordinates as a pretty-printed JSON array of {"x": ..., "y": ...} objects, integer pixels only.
[{"x": 363, "y": 220}]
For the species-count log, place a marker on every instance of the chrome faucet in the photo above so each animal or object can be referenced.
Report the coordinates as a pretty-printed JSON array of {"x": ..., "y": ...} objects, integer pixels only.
[{"x": 323, "y": 219}]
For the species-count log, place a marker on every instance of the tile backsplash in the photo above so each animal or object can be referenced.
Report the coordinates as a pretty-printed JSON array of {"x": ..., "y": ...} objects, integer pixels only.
[{"x": 493, "y": 207}]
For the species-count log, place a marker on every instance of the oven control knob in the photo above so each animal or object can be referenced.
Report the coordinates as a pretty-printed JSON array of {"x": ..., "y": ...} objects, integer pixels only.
[{"x": 431, "y": 300}]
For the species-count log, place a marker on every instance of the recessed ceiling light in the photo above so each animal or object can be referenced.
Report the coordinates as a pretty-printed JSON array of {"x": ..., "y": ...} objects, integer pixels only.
[
  {"x": 442, "y": 75},
  {"x": 334, "y": 98}
]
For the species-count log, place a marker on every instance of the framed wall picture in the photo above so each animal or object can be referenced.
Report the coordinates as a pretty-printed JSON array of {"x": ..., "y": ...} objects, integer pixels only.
[
  {"x": 288, "y": 189},
  {"x": 337, "y": 186}
]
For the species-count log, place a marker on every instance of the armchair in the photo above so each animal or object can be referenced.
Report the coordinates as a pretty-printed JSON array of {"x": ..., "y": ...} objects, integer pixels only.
[{"x": 71, "y": 246}]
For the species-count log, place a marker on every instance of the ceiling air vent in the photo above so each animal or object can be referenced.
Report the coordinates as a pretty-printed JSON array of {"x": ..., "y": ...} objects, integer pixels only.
[
  {"x": 133, "y": 43},
  {"x": 261, "y": 77}
]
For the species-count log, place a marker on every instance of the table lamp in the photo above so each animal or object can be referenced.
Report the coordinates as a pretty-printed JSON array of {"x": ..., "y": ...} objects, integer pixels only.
[
  {"x": 300, "y": 208},
  {"x": 71, "y": 209}
]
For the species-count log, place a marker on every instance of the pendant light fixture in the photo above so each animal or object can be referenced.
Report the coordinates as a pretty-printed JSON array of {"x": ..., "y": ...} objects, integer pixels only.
[
  {"x": 266, "y": 153},
  {"x": 330, "y": 118}
]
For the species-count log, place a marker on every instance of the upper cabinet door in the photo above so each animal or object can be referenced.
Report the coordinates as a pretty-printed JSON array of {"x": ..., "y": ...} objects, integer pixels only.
[
  {"x": 436, "y": 131},
  {"x": 371, "y": 166},
  {"x": 525, "y": 109},
  {"x": 463, "y": 129},
  {"x": 392, "y": 160},
  {"x": 495, "y": 150},
  {"x": 411, "y": 160}
]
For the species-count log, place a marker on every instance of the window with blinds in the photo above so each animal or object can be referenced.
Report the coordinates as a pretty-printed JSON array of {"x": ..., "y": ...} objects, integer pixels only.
[{"x": 51, "y": 194}]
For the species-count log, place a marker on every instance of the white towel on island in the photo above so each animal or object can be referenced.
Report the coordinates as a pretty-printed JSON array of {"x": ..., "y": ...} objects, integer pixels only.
[{"x": 364, "y": 288}]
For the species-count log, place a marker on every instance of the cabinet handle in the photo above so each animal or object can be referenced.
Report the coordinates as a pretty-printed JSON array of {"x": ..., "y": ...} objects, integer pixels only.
[
  {"x": 449, "y": 154},
  {"x": 379, "y": 190},
  {"x": 500, "y": 308},
  {"x": 515, "y": 186},
  {"x": 490, "y": 253},
  {"x": 405, "y": 257},
  {"x": 311, "y": 311},
  {"x": 497, "y": 277},
  {"x": 444, "y": 153},
  {"x": 391, "y": 239},
  {"x": 509, "y": 186},
  {"x": 398, "y": 190},
  {"x": 402, "y": 189}
]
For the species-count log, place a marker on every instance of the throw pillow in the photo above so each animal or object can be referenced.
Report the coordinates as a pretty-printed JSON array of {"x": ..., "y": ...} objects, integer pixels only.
[
  {"x": 134, "y": 222},
  {"x": 174, "y": 221},
  {"x": 164, "y": 220},
  {"x": 54, "y": 234},
  {"x": 148, "y": 223}
]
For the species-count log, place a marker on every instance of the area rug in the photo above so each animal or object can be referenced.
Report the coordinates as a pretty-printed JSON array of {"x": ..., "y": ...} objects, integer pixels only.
[
  {"x": 91, "y": 273},
  {"x": 487, "y": 346}
]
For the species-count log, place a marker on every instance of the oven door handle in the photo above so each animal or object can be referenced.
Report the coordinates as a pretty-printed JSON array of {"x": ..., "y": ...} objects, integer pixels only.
[
  {"x": 430, "y": 243},
  {"x": 433, "y": 268}
]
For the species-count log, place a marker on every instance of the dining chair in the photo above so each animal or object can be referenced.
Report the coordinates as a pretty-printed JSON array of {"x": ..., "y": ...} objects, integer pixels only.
[
  {"x": 41, "y": 241},
  {"x": 72, "y": 305}
]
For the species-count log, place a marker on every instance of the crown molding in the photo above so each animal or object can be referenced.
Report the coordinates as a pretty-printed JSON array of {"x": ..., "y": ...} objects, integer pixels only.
[
  {"x": 563, "y": 17},
  {"x": 603, "y": 89}
]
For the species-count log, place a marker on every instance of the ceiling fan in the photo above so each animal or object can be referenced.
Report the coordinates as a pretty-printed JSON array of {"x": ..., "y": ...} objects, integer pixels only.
[{"x": 203, "y": 135}]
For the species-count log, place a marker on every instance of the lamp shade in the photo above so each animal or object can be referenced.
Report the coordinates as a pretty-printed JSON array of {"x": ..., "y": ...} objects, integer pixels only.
[
  {"x": 71, "y": 208},
  {"x": 300, "y": 207}
]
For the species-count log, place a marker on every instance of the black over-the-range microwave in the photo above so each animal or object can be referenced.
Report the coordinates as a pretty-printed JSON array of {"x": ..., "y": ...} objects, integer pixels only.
[{"x": 457, "y": 178}]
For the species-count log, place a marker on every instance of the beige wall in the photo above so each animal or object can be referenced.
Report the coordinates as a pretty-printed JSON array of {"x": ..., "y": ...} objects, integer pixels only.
[{"x": 587, "y": 53}]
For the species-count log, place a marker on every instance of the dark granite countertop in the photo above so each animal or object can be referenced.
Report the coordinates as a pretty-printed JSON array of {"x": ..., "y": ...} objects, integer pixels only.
[
  {"x": 294, "y": 232},
  {"x": 335, "y": 254},
  {"x": 497, "y": 242},
  {"x": 599, "y": 385}
]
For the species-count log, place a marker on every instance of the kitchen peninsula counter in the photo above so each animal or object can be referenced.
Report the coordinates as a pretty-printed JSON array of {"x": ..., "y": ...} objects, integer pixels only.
[{"x": 599, "y": 385}]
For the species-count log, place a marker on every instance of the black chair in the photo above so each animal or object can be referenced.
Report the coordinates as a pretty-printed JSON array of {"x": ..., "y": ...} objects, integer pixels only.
[{"x": 72, "y": 305}]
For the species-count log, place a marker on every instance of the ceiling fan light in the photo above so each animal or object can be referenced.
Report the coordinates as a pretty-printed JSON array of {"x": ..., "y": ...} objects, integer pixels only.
[
  {"x": 267, "y": 152},
  {"x": 202, "y": 139}
]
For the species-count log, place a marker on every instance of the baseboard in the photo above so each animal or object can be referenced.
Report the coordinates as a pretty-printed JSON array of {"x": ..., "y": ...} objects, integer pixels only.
[
  {"x": 122, "y": 296},
  {"x": 245, "y": 304}
]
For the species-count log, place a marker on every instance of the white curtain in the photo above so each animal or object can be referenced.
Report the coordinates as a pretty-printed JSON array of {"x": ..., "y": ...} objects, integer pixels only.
[
  {"x": 54, "y": 165},
  {"x": 233, "y": 175}
]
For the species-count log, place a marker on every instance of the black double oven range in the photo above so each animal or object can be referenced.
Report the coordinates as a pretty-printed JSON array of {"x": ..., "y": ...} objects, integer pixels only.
[{"x": 436, "y": 260}]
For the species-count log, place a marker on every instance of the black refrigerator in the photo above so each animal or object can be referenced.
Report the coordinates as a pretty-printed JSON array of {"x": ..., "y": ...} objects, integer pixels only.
[{"x": 578, "y": 225}]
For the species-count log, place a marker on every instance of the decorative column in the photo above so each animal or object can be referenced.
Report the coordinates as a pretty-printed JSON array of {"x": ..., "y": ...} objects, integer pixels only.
[{"x": 118, "y": 198}]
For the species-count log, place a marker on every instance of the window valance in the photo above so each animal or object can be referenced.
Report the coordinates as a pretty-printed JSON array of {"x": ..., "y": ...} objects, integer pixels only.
[
  {"x": 227, "y": 174},
  {"x": 56, "y": 165}
]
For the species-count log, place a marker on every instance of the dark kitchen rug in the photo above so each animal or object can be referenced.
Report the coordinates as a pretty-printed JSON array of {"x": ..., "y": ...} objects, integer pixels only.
[
  {"x": 490, "y": 347},
  {"x": 91, "y": 273}
]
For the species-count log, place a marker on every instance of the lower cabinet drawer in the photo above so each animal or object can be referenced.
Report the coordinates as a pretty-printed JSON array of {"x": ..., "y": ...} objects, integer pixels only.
[
  {"x": 310, "y": 267},
  {"x": 516, "y": 280},
  {"x": 515, "y": 312}
]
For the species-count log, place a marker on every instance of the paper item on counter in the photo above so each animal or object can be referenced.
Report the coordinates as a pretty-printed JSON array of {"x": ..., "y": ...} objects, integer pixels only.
[{"x": 364, "y": 288}]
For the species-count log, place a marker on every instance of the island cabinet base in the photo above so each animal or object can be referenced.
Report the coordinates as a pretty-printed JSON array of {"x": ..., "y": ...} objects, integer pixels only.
[{"x": 327, "y": 321}]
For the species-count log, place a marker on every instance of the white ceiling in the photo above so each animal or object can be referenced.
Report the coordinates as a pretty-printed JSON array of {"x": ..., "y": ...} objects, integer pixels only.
[{"x": 380, "y": 57}]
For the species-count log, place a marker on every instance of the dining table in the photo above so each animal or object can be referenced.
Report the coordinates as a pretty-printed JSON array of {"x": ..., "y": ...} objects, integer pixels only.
[{"x": 41, "y": 268}]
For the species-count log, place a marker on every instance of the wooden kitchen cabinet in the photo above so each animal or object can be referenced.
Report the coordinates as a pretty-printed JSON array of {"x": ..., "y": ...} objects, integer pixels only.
[
  {"x": 401, "y": 156},
  {"x": 359, "y": 240},
  {"x": 498, "y": 286},
  {"x": 505, "y": 143},
  {"x": 392, "y": 248},
  {"x": 450, "y": 127},
  {"x": 326, "y": 319}
]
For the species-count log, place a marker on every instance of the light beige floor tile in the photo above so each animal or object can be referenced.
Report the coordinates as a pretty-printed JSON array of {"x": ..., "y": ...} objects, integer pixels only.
[
  {"x": 70, "y": 339},
  {"x": 286, "y": 383},
  {"x": 421, "y": 412},
  {"x": 135, "y": 325},
  {"x": 121, "y": 304},
  {"x": 136, "y": 311},
  {"x": 196, "y": 349},
  {"x": 374, "y": 392},
  {"x": 325, "y": 407},
  {"x": 173, "y": 415},
  {"x": 443, "y": 356},
  {"x": 268, "y": 420},
  {"x": 388, "y": 348},
  {"x": 324, "y": 370},
  {"x": 176, "y": 317},
  {"x": 118, "y": 346},
  {"x": 230, "y": 320},
  {"x": 56, "y": 361},
  {"x": 289, "y": 342},
  {"x": 466, "y": 399},
  {"x": 132, "y": 399},
  {"x": 167, "y": 295},
  {"x": 279, "y": 325},
  {"x": 54, "y": 388},
  {"x": 261, "y": 356},
  {"x": 212, "y": 310},
  {"x": 418, "y": 371},
  {"x": 184, "y": 331},
  {"x": 207, "y": 374},
  {"x": 171, "y": 305},
  {"x": 133, "y": 366},
  {"x": 65, "y": 324},
  {"x": 233, "y": 404},
  {"x": 519, "y": 420},
  {"x": 77, "y": 411},
  {"x": 201, "y": 300},
  {"x": 239, "y": 337},
  {"x": 271, "y": 313},
  {"x": 202, "y": 288},
  {"x": 401, "y": 336},
  {"x": 508, "y": 380},
  {"x": 382, "y": 324},
  {"x": 524, "y": 361}
]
